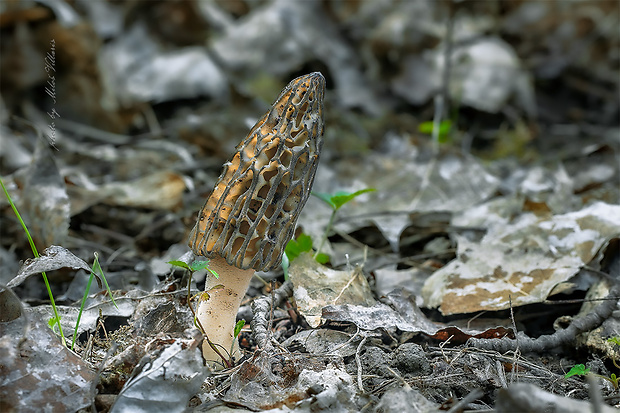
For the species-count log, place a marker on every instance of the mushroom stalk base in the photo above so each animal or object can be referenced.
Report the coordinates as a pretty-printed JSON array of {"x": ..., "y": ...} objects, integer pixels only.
[{"x": 218, "y": 314}]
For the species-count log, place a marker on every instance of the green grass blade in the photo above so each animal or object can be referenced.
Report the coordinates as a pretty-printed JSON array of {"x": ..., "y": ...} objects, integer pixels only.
[
  {"x": 97, "y": 267},
  {"x": 79, "y": 317},
  {"x": 36, "y": 255}
]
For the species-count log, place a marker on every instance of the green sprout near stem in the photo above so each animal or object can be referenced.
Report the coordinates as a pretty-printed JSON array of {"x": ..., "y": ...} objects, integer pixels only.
[
  {"x": 581, "y": 370},
  {"x": 203, "y": 296},
  {"x": 443, "y": 131},
  {"x": 96, "y": 269},
  {"x": 335, "y": 202},
  {"x": 295, "y": 247},
  {"x": 303, "y": 243},
  {"x": 236, "y": 333},
  {"x": 55, "y": 320}
]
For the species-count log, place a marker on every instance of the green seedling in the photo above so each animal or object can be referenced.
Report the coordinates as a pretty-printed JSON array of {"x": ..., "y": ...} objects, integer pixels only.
[
  {"x": 443, "y": 132},
  {"x": 96, "y": 269},
  {"x": 295, "y": 247},
  {"x": 54, "y": 321},
  {"x": 577, "y": 370},
  {"x": 303, "y": 243},
  {"x": 335, "y": 202},
  {"x": 581, "y": 370},
  {"x": 203, "y": 296},
  {"x": 236, "y": 333}
]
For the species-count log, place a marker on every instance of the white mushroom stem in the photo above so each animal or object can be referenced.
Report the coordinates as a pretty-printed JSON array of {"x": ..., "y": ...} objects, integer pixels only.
[{"x": 218, "y": 314}]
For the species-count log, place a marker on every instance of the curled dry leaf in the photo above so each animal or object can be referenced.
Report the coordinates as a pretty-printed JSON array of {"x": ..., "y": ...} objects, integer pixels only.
[
  {"x": 53, "y": 258},
  {"x": 159, "y": 190},
  {"x": 165, "y": 382},
  {"x": 139, "y": 69}
]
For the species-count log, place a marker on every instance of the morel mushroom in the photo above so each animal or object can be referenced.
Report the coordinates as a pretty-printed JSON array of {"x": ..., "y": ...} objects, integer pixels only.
[{"x": 250, "y": 216}]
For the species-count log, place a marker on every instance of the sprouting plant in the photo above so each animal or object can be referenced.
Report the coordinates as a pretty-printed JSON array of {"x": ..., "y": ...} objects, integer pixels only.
[
  {"x": 55, "y": 320},
  {"x": 443, "y": 132},
  {"x": 303, "y": 243},
  {"x": 192, "y": 267},
  {"x": 581, "y": 370},
  {"x": 295, "y": 247},
  {"x": 96, "y": 269},
  {"x": 335, "y": 201},
  {"x": 236, "y": 333},
  {"x": 577, "y": 370}
]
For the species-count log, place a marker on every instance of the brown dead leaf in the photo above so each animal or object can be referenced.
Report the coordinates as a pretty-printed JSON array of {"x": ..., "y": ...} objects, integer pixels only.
[{"x": 522, "y": 261}]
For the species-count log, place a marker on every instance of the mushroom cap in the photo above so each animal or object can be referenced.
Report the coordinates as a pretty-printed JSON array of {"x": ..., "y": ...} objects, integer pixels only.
[{"x": 251, "y": 214}]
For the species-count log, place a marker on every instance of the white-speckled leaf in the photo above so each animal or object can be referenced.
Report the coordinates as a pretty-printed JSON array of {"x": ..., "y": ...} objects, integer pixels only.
[{"x": 522, "y": 261}]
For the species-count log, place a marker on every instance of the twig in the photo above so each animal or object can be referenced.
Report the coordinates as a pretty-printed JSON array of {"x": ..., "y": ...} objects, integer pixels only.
[
  {"x": 538, "y": 345},
  {"x": 358, "y": 361},
  {"x": 516, "y": 354},
  {"x": 595, "y": 393}
]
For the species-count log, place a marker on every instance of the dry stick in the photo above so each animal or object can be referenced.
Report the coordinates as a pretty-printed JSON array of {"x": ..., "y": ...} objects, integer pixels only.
[
  {"x": 261, "y": 307},
  {"x": 516, "y": 354},
  {"x": 538, "y": 345},
  {"x": 358, "y": 361},
  {"x": 441, "y": 101},
  {"x": 595, "y": 394},
  {"x": 271, "y": 307},
  {"x": 501, "y": 374}
]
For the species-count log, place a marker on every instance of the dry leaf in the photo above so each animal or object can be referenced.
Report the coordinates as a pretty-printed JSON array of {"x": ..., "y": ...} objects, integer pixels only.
[
  {"x": 522, "y": 261},
  {"x": 316, "y": 286}
]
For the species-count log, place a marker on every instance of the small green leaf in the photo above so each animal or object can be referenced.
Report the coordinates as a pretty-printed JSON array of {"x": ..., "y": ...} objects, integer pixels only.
[
  {"x": 615, "y": 340},
  {"x": 444, "y": 129},
  {"x": 238, "y": 327},
  {"x": 325, "y": 197},
  {"x": 198, "y": 265},
  {"x": 97, "y": 267},
  {"x": 53, "y": 322},
  {"x": 194, "y": 266},
  {"x": 303, "y": 243},
  {"x": 338, "y": 199},
  {"x": 577, "y": 370},
  {"x": 179, "y": 264},
  {"x": 322, "y": 258}
]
